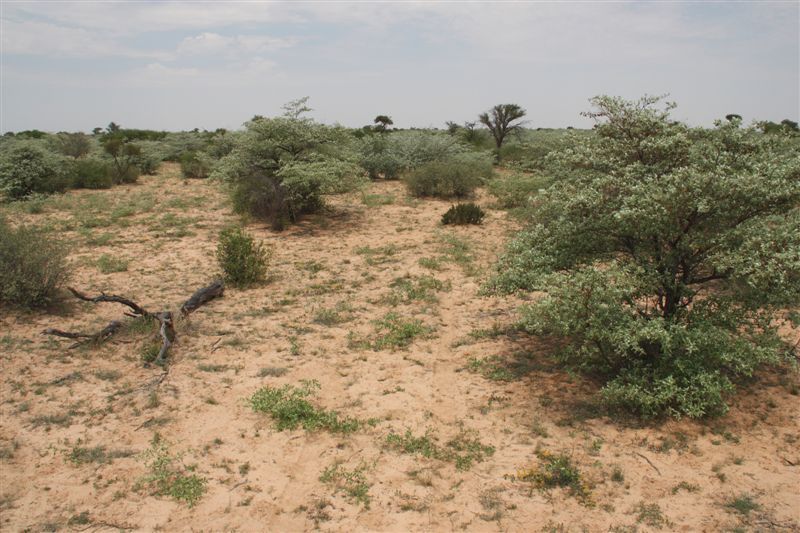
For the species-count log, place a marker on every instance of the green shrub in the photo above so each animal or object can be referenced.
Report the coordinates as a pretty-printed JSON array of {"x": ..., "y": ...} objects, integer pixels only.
[
  {"x": 32, "y": 266},
  {"x": 27, "y": 169},
  {"x": 196, "y": 165},
  {"x": 669, "y": 256},
  {"x": 462, "y": 214},
  {"x": 280, "y": 168},
  {"x": 290, "y": 409},
  {"x": 243, "y": 261},
  {"x": 517, "y": 190},
  {"x": 444, "y": 179},
  {"x": 92, "y": 174}
]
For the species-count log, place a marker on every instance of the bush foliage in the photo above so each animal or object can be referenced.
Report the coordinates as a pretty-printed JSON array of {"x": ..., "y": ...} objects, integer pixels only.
[
  {"x": 33, "y": 266},
  {"x": 29, "y": 168},
  {"x": 667, "y": 255},
  {"x": 456, "y": 178},
  {"x": 243, "y": 260},
  {"x": 281, "y": 168},
  {"x": 462, "y": 214}
]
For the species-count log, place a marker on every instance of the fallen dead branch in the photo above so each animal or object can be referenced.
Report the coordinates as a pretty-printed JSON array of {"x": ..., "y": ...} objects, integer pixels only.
[{"x": 165, "y": 318}]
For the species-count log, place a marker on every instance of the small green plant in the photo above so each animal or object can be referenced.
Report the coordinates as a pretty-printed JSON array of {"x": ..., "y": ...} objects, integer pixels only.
[
  {"x": 743, "y": 504},
  {"x": 463, "y": 214},
  {"x": 492, "y": 368},
  {"x": 353, "y": 483},
  {"x": 685, "y": 485},
  {"x": 168, "y": 477},
  {"x": 376, "y": 256},
  {"x": 650, "y": 514},
  {"x": 555, "y": 470},
  {"x": 290, "y": 408},
  {"x": 463, "y": 450},
  {"x": 392, "y": 332},
  {"x": 33, "y": 266},
  {"x": 409, "y": 289},
  {"x": 332, "y": 316},
  {"x": 108, "y": 264},
  {"x": 243, "y": 261}
]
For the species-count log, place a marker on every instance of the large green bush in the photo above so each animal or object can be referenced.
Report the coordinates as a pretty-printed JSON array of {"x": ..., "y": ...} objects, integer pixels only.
[
  {"x": 196, "y": 165},
  {"x": 27, "y": 168},
  {"x": 451, "y": 178},
  {"x": 91, "y": 173},
  {"x": 668, "y": 256},
  {"x": 281, "y": 168},
  {"x": 32, "y": 266}
]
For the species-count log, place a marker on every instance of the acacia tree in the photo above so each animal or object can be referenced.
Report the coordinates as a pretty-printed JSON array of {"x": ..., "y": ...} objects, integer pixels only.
[
  {"x": 668, "y": 256},
  {"x": 501, "y": 120},
  {"x": 382, "y": 123}
]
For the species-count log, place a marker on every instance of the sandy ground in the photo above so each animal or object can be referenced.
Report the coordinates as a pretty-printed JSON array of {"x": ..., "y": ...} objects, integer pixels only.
[{"x": 678, "y": 476}]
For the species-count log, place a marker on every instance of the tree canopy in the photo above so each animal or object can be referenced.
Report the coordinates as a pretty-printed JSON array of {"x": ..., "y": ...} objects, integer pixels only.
[{"x": 668, "y": 256}]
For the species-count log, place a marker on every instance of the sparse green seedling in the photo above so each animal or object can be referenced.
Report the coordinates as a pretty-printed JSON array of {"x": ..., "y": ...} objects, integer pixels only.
[
  {"x": 108, "y": 264},
  {"x": 685, "y": 485},
  {"x": 463, "y": 450},
  {"x": 290, "y": 409},
  {"x": 393, "y": 332},
  {"x": 650, "y": 514},
  {"x": 168, "y": 476},
  {"x": 353, "y": 483},
  {"x": 555, "y": 470},
  {"x": 377, "y": 256},
  {"x": 410, "y": 289}
]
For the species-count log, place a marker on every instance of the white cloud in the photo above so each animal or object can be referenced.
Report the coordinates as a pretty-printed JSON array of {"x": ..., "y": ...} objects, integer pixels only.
[
  {"x": 45, "y": 39},
  {"x": 214, "y": 43}
]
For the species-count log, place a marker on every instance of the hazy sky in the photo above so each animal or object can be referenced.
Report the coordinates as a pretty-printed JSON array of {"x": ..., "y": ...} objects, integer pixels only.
[{"x": 180, "y": 65}]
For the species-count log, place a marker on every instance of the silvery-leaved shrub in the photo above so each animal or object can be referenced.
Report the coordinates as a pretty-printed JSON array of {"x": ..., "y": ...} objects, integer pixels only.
[
  {"x": 669, "y": 257},
  {"x": 281, "y": 168},
  {"x": 27, "y": 168},
  {"x": 33, "y": 266}
]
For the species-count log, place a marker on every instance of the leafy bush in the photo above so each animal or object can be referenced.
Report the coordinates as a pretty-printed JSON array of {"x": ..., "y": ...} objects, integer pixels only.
[
  {"x": 462, "y": 214},
  {"x": 124, "y": 156},
  {"x": 27, "y": 168},
  {"x": 517, "y": 190},
  {"x": 243, "y": 261},
  {"x": 74, "y": 145},
  {"x": 92, "y": 174},
  {"x": 280, "y": 168},
  {"x": 32, "y": 266},
  {"x": 195, "y": 165},
  {"x": 668, "y": 256},
  {"x": 445, "y": 179}
]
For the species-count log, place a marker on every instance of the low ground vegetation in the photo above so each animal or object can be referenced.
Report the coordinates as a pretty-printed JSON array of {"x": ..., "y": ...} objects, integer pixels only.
[{"x": 373, "y": 371}]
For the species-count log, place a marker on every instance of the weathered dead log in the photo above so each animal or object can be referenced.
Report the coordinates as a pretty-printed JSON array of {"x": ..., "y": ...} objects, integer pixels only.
[
  {"x": 203, "y": 296},
  {"x": 167, "y": 332},
  {"x": 98, "y": 337},
  {"x": 164, "y": 318},
  {"x": 103, "y": 297}
]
